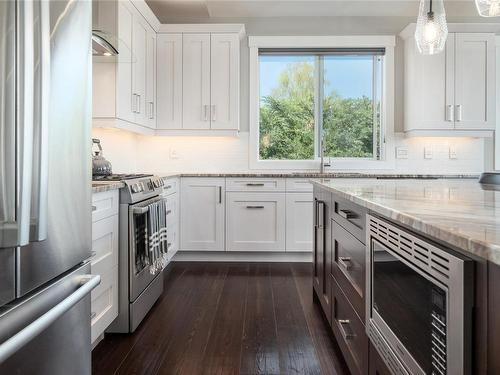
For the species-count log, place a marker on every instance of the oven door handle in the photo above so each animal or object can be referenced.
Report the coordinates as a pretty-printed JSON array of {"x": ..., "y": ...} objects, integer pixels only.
[{"x": 140, "y": 210}]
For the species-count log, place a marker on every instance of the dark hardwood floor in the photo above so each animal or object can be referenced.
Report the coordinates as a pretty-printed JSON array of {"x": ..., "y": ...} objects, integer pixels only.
[{"x": 227, "y": 318}]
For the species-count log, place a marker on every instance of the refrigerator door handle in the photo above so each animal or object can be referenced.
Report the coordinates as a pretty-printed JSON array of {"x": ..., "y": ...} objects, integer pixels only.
[
  {"x": 24, "y": 336},
  {"x": 15, "y": 229},
  {"x": 39, "y": 197}
]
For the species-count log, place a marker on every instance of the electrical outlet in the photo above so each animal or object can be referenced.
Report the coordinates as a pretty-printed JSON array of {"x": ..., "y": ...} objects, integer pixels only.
[
  {"x": 453, "y": 153},
  {"x": 401, "y": 153},
  {"x": 173, "y": 154},
  {"x": 428, "y": 154}
]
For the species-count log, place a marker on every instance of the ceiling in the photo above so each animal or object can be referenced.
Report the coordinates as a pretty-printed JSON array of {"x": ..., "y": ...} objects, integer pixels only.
[{"x": 169, "y": 11}]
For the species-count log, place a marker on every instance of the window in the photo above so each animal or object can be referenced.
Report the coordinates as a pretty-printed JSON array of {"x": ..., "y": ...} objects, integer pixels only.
[{"x": 320, "y": 98}]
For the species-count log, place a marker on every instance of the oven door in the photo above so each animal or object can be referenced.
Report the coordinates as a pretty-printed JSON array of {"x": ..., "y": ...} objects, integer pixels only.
[
  {"x": 139, "y": 274},
  {"x": 410, "y": 310}
]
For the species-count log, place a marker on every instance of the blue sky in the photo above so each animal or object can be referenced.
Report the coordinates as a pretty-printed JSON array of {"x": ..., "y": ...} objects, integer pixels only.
[{"x": 350, "y": 76}]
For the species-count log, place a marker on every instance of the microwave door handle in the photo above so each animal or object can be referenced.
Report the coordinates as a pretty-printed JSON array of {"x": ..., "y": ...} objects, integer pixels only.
[
  {"x": 16, "y": 231},
  {"x": 41, "y": 138}
]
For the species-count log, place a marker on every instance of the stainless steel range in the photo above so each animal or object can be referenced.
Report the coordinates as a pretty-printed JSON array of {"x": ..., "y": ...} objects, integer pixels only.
[{"x": 142, "y": 221}]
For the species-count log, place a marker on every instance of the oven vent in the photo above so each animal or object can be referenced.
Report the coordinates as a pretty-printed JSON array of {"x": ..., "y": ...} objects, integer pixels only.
[{"x": 420, "y": 253}]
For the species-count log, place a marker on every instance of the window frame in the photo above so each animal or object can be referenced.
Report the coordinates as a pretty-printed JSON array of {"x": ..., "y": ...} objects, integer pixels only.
[{"x": 387, "y": 160}]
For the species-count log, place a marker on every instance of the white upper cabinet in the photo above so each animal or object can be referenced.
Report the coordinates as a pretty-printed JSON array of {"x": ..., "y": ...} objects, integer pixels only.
[
  {"x": 196, "y": 81},
  {"x": 475, "y": 81},
  {"x": 169, "y": 73},
  {"x": 224, "y": 88},
  {"x": 124, "y": 94},
  {"x": 453, "y": 92}
]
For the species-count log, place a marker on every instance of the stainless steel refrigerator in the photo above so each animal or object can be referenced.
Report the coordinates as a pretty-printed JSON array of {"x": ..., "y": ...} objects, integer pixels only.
[{"x": 45, "y": 187}]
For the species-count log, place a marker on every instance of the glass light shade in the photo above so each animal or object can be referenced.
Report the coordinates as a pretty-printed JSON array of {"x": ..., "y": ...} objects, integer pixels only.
[
  {"x": 488, "y": 8},
  {"x": 432, "y": 31}
]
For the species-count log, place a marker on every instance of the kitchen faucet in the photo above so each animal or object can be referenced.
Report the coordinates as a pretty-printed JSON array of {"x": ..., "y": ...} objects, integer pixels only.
[{"x": 321, "y": 154}]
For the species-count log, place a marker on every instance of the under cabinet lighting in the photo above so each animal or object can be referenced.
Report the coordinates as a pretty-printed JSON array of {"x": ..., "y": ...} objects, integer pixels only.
[
  {"x": 488, "y": 8},
  {"x": 432, "y": 30}
]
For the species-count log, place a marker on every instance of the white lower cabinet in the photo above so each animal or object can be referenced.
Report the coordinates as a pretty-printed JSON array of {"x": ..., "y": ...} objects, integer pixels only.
[
  {"x": 255, "y": 221},
  {"x": 104, "y": 262},
  {"x": 170, "y": 193},
  {"x": 299, "y": 219},
  {"x": 202, "y": 214}
]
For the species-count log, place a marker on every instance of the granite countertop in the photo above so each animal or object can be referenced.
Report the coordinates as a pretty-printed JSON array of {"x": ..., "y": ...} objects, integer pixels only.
[
  {"x": 312, "y": 175},
  {"x": 459, "y": 212},
  {"x": 101, "y": 186}
]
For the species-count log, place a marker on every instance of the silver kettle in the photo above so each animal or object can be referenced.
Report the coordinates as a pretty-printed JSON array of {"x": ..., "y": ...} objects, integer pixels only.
[{"x": 100, "y": 166}]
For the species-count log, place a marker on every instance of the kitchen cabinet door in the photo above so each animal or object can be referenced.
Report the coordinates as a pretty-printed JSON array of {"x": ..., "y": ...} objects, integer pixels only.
[
  {"x": 475, "y": 81},
  {"x": 196, "y": 81},
  {"x": 225, "y": 77},
  {"x": 125, "y": 98},
  {"x": 429, "y": 88},
  {"x": 255, "y": 221},
  {"x": 150, "y": 105},
  {"x": 202, "y": 214},
  {"x": 169, "y": 72},
  {"x": 299, "y": 221},
  {"x": 139, "y": 52}
]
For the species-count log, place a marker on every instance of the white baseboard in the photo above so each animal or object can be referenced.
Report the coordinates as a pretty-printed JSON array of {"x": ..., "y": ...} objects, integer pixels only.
[
  {"x": 216, "y": 256},
  {"x": 97, "y": 340}
]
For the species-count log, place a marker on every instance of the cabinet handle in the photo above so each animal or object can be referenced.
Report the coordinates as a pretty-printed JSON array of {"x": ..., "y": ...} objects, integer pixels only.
[
  {"x": 255, "y": 207},
  {"x": 138, "y": 103},
  {"x": 321, "y": 214},
  {"x": 151, "y": 110},
  {"x": 168, "y": 212},
  {"x": 94, "y": 208},
  {"x": 220, "y": 194},
  {"x": 93, "y": 314},
  {"x": 214, "y": 112},
  {"x": 458, "y": 114},
  {"x": 346, "y": 214},
  {"x": 205, "y": 112},
  {"x": 345, "y": 262},
  {"x": 134, "y": 103},
  {"x": 449, "y": 113},
  {"x": 255, "y": 184},
  {"x": 345, "y": 334}
]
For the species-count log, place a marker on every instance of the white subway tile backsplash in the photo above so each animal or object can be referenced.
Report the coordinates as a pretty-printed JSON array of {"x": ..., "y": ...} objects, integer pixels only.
[{"x": 135, "y": 153}]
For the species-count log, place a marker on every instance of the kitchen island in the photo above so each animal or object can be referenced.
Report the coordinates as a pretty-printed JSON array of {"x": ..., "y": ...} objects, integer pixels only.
[{"x": 458, "y": 216}]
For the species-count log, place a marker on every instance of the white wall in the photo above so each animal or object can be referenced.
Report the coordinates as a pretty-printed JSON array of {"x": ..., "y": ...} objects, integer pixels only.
[{"x": 134, "y": 153}]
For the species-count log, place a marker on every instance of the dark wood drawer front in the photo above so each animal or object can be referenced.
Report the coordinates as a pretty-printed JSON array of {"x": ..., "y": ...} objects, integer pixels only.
[
  {"x": 349, "y": 331},
  {"x": 348, "y": 267},
  {"x": 350, "y": 216}
]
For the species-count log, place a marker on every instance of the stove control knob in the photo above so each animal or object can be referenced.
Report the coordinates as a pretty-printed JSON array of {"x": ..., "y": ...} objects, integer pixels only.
[{"x": 134, "y": 188}]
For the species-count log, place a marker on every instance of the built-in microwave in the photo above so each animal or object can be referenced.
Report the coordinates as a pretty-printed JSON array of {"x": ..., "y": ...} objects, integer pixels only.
[{"x": 419, "y": 302}]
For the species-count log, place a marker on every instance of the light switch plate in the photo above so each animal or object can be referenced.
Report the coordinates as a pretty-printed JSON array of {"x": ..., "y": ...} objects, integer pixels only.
[
  {"x": 401, "y": 153},
  {"x": 453, "y": 153},
  {"x": 173, "y": 154},
  {"x": 428, "y": 154}
]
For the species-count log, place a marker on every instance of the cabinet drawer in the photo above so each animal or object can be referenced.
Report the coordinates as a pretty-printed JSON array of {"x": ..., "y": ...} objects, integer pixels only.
[
  {"x": 351, "y": 216},
  {"x": 104, "y": 303},
  {"x": 299, "y": 185},
  {"x": 349, "y": 331},
  {"x": 172, "y": 240},
  {"x": 265, "y": 184},
  {"x": 255, "y": 221},
  {"x": 105, "y": 243},
  {"x": 348, "y": 266},
  {"x": 171, "y": 186},
  {"x": 105, "y": 204},
  {"x": 299, "y": 222},
  {"x": 172, "y": 209}
]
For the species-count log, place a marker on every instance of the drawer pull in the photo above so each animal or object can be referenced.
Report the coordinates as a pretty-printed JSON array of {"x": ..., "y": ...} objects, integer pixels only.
[
  {"x": 169, "y": 212},
  {"x": 345, "y": 334},
  {"x": 93, "y": 315},
  {"x": 255, "y": 184},
  {"x": 346, "y": 214},
  {"x": 94, "y": 208},
  {"x": 255, "y": 207},
  {"x": 345, "y": 262}
]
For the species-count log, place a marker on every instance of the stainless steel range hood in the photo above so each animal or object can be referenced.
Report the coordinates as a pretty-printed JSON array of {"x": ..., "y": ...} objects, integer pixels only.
[{"x": 103, "y": 44}]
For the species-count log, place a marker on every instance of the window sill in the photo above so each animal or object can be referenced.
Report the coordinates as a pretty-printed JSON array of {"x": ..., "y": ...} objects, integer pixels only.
[{"x": 336, "y": 164}]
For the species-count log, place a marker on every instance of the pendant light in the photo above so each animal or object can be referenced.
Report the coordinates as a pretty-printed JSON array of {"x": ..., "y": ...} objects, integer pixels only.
[
  {"x": 432, "y": 31},
  {"x": 488, "y": 8}
]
